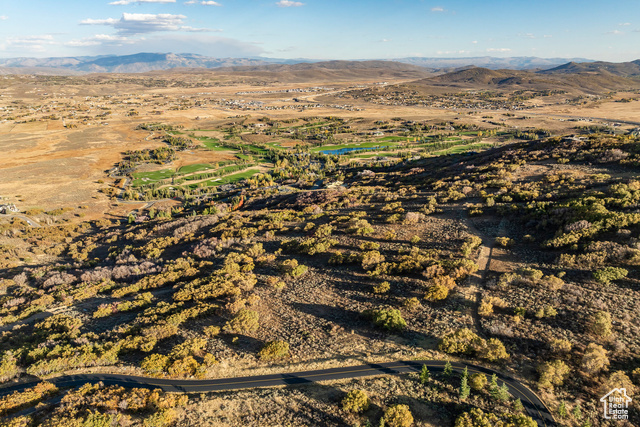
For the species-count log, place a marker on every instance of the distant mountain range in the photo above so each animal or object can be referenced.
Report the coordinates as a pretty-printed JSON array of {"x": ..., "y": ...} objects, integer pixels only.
[
  {"x": 492, "y": 63},
  {"x": 137, "y": 63},
  {"x": 143, "y": 62}
]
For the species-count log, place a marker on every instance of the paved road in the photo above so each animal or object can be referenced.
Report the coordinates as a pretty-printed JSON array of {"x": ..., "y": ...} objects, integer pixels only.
[
  {"x": 28, "y": 220},
  {"x": 534, "y": 407}
]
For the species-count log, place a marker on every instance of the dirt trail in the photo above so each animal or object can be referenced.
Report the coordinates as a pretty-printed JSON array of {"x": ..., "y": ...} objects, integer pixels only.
[{"x": 473, "y": 285}]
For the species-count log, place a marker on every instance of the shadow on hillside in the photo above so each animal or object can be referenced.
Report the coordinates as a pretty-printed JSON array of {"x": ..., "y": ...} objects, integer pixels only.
[
  {"x": 346, "y": 319},
  {"x": 350, "y": 320}
]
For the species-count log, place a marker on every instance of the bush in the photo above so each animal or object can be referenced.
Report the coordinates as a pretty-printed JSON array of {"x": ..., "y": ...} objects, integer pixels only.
[
  {"x": 552, "y": 373},
  {"x": 461, "y": 341},
  {"x": 8, "y": 366},
  {"x": 411, "y": 304},
  {"x": 553, "y": 283},
  {"x": 560, "y": 345},
  {"x": 476, "y": 418},
  {"x": 470, "y": 243},
  {"x": 600, "y": 324},
  {"x": 493, "y": 351},
  {"x": 246, "y": 321},
  {"x": 361, "y": 227},
  {"x": 190, "y": 347},
  {"x": 464, "y": 341},
  {"x": 155, "y": 364},
  {"x": 398, "y": 416},
  {"x": 356, "y": 401},
  {"x": 609, "y": 274},
  {"x": 30, "y": 396},
  {"x": 478, "y": 381},
  {"x": 595, "y": 359},
  {"x": 211, "y": 331},
  {"x": 291, "y": 268},
  {"x": 381, "y": 288},
  {"x": 436, "y": 293},
  {"x": 504, "y": 242},
  {"x": 274, "y": 350},
  {"x": 389, "y": 319},
  {"x": 183, "y": 367},
  {"x": 619, "y": 379},
  {"x": 486, "y": 307},
  {"x": 370, "y": 259}
]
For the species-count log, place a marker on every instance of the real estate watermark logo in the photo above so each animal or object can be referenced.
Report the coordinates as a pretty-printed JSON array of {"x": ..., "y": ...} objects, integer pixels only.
[{"x": 616, "y": 404}]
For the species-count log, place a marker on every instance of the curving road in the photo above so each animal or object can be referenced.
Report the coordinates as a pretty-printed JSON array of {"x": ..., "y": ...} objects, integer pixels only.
[
  {"x": 534, "y": 407},
  {"x": 25, "y": 218}
]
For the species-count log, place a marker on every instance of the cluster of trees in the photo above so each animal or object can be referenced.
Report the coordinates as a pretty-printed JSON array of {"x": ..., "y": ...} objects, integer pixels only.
[{"x": 464, "y": 341}]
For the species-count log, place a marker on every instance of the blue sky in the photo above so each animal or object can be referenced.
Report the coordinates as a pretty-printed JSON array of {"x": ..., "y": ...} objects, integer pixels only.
[{"x": 323, "y": 29}]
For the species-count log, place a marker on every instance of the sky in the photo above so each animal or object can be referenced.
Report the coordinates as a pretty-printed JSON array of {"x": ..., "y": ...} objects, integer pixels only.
[{"x": 323, "y": 29}]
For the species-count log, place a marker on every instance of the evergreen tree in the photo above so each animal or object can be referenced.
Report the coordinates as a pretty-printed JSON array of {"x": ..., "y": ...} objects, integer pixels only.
[
  {"x": 562, "y": 409},
  {"x": 577, "y": 412},
  {"x": 464, "y": 389},
  {"x": 424, "y": 374},
  {"x": 503, "y": 393},
  {"x": 448, "y": 370},
  {"x": 517, "y": 406},
  {"x": 465, "y": 373},
  {"x": 493, "y": 386}
]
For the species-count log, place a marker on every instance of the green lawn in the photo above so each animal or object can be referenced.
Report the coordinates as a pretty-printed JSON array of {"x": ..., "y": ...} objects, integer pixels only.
[
  {"x": 222, "y": 171},
  {"x": 433, "y": 144},
  {"x": 194, "y": 168},
  {"x": 214, "y": 182},
  {"x": 255, "y": 149},
  {"x": 395, "y": 138},
  {"x": 142, "y": 178},
  {"x": 213, "y": 144}
]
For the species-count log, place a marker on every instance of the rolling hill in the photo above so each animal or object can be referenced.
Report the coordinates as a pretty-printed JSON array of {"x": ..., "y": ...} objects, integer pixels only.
[
  {"x": 622, "y": 69},
  {"x": 563, "y": 78}
]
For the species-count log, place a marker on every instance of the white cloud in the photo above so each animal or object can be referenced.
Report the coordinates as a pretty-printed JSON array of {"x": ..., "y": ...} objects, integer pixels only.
[
  {"x": 210, "y": 3},
  {"x": 385, "y": 40},
  {"x": 475, "y": 42},
  {"x": 28, "y": 43},
  {"x": 3, "y": 17},
  {"x": 501, "y": 49},
  {"x": 527, "y": 35},
  {"x": 204, "y": 44},
  {"x": 100, "y": 39},
  {"x": 615, "y": 32},
  {"x": 123, "y": 2},
  {"x": 624, "y": 24},
  {"x": 289, "y": 3},
  {"x": 108, "y": 21},
  {"x": 437, "y": 9},
  {"x": 138, "y": 23},
  {"x": 547, "y": 36}
]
